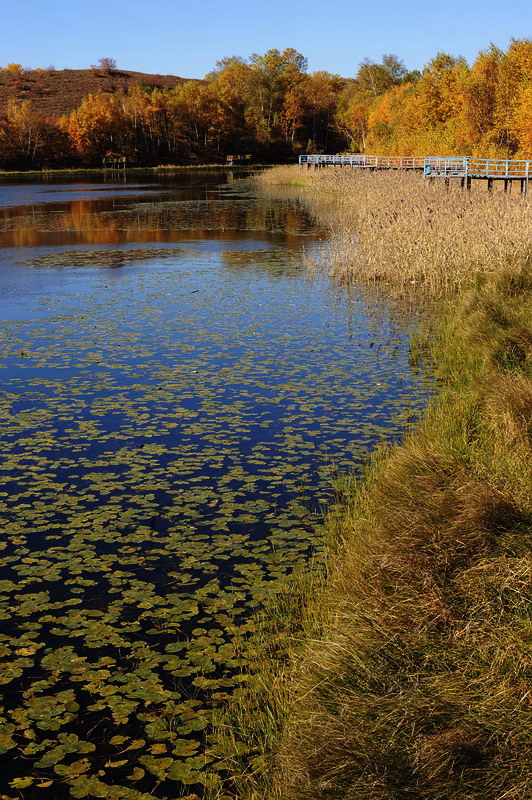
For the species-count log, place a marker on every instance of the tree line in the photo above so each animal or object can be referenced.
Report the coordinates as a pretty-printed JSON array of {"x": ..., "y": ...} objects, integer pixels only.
[{"x": 271, "y": 107}]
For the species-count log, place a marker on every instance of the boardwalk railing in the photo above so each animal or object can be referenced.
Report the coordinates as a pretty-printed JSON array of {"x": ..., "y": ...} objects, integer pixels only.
[
  {"x": 465, "y": 168},
  {"x": 363, "y": 161},
  {"x": 496, "y": 168}
]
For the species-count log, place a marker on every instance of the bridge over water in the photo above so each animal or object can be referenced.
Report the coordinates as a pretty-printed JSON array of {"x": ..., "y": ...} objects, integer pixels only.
[{"x": 465, "y": 169}]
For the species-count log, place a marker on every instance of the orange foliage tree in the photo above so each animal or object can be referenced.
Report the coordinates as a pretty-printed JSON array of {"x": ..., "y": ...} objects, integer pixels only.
[{"x": 269, "y": 106}]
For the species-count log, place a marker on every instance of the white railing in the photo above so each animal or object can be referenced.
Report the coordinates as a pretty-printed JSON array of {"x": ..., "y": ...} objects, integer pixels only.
[
  {"x": 364, "y": 161},
  {"x": 432, "y": 166},
  {"x": 499, "y": 168}
]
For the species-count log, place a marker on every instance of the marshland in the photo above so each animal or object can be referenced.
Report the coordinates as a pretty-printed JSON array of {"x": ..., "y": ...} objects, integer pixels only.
[
  {"x": 266, "y": 488},
  {"x": 406, "y": 669}
]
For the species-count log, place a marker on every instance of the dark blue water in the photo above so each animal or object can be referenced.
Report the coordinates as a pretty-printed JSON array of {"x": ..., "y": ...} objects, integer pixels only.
[{"x": 177, "y": 398}]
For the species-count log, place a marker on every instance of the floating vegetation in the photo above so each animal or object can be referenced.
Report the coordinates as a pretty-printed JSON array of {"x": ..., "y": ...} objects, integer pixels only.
[
  {"x": 169, "y": 440},
  {"x": 106, "y": 258}
]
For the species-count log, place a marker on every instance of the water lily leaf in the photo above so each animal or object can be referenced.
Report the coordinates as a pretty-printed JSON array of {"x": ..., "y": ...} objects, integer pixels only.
[
  {"x": 118, "y": 740},
  {"x": 137, "y": 774},
  {"x": 157, "y": 749},
  {"x": 22, "y": 783}
]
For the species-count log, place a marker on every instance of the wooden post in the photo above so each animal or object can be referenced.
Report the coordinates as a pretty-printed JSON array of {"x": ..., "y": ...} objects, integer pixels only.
[{"x": 490, "y": 184}]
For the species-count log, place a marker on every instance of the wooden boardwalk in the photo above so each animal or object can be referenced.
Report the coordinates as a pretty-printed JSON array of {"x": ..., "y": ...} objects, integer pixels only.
[
  {"x": 486, "y": 169},
  {"x": 463, "y": 168},
  {"x": 364, "y": 162}
]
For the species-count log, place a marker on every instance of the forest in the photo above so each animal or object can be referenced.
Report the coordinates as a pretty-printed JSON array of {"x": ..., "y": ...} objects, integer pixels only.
[{"x": 270, "y": 107}]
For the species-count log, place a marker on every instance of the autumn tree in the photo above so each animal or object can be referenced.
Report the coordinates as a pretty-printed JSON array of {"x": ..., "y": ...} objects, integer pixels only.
[
  {"x": 352, "y": 121},
  {"x": 27, "y": 127},
  {"x": 480, "y": 96},
  {"x": 514, "y": 76},
  {"x": 320, "y": 91},
  {"x": 230, "y": 84},
  {"x": 440, "y": 88},
  {"x": 272, "y": 76},
  {"x": 28, "y": 140},
  {"x": 374, "y": 79},
  {"x": 97, "y": 126}
]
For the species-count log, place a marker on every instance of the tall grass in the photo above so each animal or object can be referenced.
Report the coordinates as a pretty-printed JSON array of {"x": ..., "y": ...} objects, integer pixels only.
[
  {"x": 403, "y": 231},
  {"x": 420, "y": 683}
]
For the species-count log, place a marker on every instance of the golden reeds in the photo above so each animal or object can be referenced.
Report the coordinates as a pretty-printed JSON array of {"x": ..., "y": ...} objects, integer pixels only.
[{"x": 402, "y": 230}]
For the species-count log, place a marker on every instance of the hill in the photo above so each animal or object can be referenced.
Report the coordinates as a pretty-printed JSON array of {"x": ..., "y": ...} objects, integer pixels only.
[{"x": 56, "y": 92}]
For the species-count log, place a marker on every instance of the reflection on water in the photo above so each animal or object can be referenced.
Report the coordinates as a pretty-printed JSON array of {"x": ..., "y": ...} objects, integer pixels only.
[
  {"x": 35, "y": 217},
  {"x": 176, "y": 397}
]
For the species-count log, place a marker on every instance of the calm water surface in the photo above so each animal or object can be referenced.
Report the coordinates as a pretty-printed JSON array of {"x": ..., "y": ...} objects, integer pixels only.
[{"x": 176, "y": 399}]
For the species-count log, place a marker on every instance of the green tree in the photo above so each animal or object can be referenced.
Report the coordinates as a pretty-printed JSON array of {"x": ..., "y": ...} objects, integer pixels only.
[{"x": 273, "y": 75}]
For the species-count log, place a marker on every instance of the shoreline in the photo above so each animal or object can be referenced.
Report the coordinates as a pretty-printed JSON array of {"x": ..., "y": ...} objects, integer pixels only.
[
  {"x": 401, "y": 669},
  {"x": 121, "y": 172}
]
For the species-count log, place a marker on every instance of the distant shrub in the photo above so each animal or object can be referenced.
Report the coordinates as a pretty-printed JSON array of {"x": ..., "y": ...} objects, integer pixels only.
[
  {"x": 105, "y": 65},
  {"x": 14, "y": 71}
]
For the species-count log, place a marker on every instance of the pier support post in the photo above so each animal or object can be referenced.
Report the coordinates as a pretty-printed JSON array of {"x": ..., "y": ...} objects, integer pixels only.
[{"x": 490, "y": 185}]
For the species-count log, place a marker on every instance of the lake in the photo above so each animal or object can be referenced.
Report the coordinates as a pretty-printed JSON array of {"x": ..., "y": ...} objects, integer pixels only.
[{"x": 177, "y": 398}]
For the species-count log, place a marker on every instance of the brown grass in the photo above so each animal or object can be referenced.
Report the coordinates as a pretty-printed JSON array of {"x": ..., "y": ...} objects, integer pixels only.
[
  {"x": 419, "y": 685},
  {"x": 58, "y": 92},
  {"x": 403, "y": 231}
]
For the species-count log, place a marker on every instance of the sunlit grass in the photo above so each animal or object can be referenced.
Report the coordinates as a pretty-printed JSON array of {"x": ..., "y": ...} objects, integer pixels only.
[{"x": 418, "y": 683}]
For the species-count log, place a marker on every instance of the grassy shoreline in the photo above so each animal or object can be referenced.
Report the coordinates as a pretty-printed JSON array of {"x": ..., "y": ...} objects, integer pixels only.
[
  {"x": 128, "y": 170},
  {"x": 403, "y": 671}
]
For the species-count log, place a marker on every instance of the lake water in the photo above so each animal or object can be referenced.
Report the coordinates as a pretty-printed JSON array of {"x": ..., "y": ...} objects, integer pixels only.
[{"x": 177, "y": 397}]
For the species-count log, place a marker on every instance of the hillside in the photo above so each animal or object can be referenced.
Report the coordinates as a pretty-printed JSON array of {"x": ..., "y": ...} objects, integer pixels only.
[{"x": 56, "y": 92}]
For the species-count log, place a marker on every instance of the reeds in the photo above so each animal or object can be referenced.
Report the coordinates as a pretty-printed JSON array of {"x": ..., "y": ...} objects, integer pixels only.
[{"x": 403, "y": 231}]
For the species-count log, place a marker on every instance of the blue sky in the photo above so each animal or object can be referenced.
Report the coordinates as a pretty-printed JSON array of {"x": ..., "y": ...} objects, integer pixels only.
[{"x": 187, "y": 38}]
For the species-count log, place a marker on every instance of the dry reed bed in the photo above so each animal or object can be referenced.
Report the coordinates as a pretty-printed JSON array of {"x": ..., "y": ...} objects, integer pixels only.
[{"x": 400, "y": 229}]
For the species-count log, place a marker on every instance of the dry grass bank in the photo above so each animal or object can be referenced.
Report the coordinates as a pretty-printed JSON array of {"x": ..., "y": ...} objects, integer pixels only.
[
  {"x": 401, "y": 230},
  {"x": 419, "y": 685}
]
